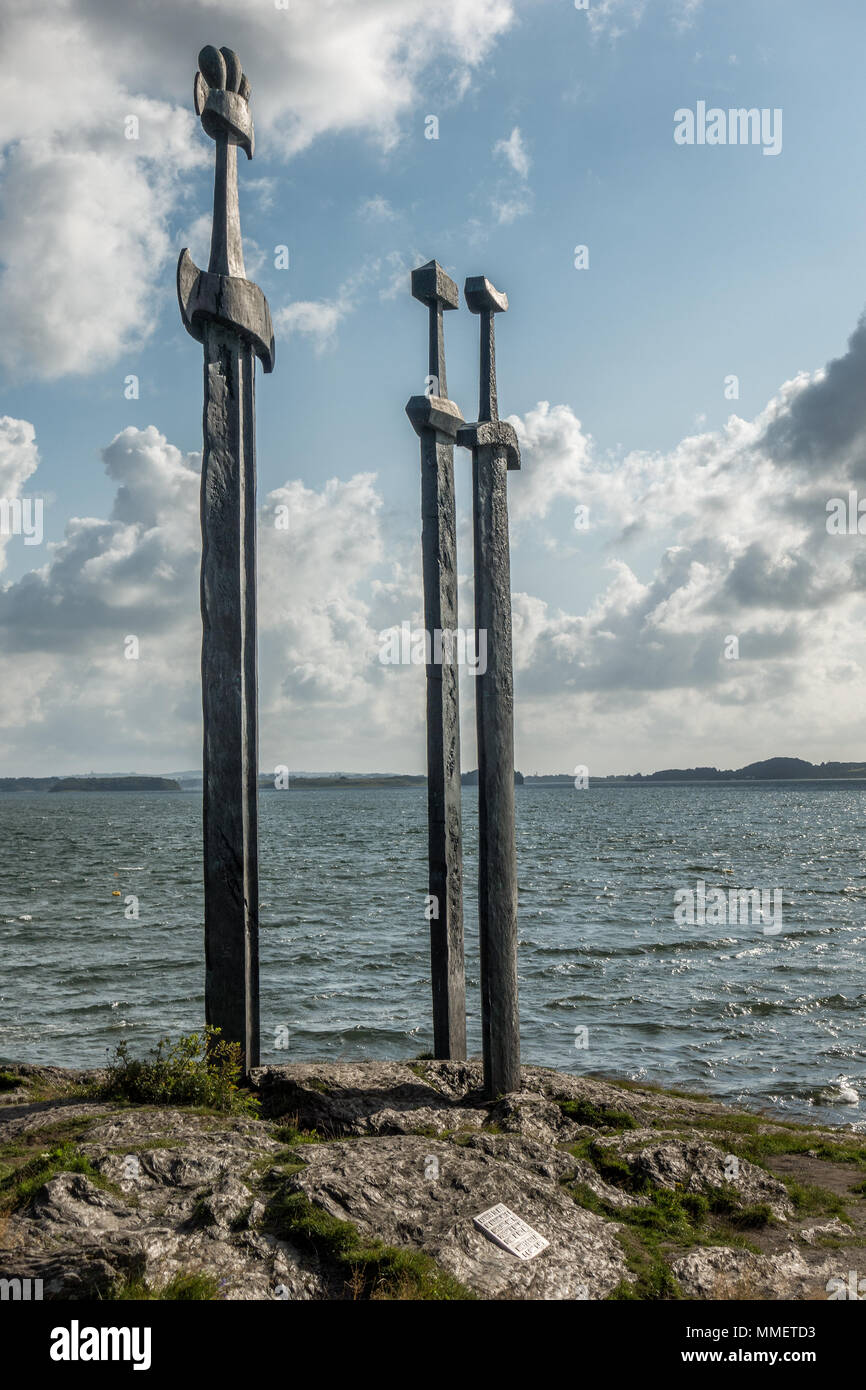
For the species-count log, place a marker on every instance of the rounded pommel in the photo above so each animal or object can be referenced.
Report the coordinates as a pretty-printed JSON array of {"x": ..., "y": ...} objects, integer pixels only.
[
  {"x": 482, "y": 297},
  {"x": 431, "y": 285},
  {"x": 222, "y": 95}
]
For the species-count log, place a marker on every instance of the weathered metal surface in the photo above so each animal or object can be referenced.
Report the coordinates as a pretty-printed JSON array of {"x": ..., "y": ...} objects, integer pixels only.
[
  {"x": 436, "y": 420},
  {"x": 229, "y": 315},
  {"x": 228, "y": 671},
  {"x": 494, "y": 451}
]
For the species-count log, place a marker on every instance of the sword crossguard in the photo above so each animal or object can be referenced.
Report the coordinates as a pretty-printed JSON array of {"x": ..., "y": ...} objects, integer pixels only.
[
  {"x": 434, "y": 413},
  {"x": 229, "y": 300}
]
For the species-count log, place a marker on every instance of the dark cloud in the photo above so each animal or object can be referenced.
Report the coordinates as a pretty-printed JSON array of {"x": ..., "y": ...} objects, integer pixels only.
[{"x": 825, "y": 424}]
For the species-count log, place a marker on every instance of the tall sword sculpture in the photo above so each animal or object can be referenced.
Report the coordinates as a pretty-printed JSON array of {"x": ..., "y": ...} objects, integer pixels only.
[
  {"x": 229, "y": 315},
  {"x": 436, "y": 419},
  {"x": 494, "y": 450}
]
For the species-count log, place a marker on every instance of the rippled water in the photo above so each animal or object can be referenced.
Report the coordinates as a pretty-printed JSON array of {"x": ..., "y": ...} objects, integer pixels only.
[{"x": 761, "y": 1019}]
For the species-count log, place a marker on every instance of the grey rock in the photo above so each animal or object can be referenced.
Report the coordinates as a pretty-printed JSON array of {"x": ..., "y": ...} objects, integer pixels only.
[
  {"x": 226, "y": 1204},
  {"x": 189, "y": 1192},
  {"x": 718, "y": 1272},
  {"x": 72, "y": 1200},
  {"x": 532, "y": 1116},
  {"x": 345, "y": 1097},
  {"x": 810, "y": 1235},
  {"x": 701, "y": 1167},
  {"x": 381, "y": 1186},
  {"x": 535, "y": 1156}
]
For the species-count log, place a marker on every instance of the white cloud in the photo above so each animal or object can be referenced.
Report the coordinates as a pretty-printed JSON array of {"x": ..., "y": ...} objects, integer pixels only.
[
  {"x": 71, "y": 698},
  {"x": 731, "y": 537},
  {"x": 514, "y": 151},
  {"x": 512, "y": 198},
  {"x": 316, "y": 319},
  {"x": 508, "y": 209},
  {"x": 83, "y": 233},
  {"x": 319, "y": 319},
  {"x": 85, "y": 214},
  {"x": 614, "y": 18},
  {"x": 376, "y": 209},
  {"x": 746, "y": 508},
  {"x": 19, "y": 459},
  {"x": 685, "y": 13}
]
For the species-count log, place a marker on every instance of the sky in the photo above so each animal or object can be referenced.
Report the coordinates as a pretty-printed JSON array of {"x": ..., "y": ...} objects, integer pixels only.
[{"x": 688, "y": 389}]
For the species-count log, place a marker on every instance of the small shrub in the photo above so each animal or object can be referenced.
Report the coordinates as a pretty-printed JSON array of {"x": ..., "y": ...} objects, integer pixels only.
[
  {"x": 199, "y": 1069},
  {"x": 288, "y": 1133}
]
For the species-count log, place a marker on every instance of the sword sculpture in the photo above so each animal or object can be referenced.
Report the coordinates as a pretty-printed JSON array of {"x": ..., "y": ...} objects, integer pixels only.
[
  {"x": 436, "y": 420},
  {"x": 494, "y": 450},
  {"x": 229, "y": 315}
]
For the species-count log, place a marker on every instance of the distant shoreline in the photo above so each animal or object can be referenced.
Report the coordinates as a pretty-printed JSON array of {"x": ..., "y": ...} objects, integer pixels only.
[
  {"x": 312, "y": 784},
  {"x": 769, "y": 770}
]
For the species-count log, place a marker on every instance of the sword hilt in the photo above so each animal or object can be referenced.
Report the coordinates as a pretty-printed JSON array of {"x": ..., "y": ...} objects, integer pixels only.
[
  {"x": 222, "y": 293},
  {"x": 482, "y": 298},
  {"x": 488, "y": 430},
  {"x": 433, "y": 287},
  {"x": 222, "y": 98}
]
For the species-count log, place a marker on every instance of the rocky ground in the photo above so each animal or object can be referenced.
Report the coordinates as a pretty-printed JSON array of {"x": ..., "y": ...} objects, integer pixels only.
[{"x": 360, "y": 1180}]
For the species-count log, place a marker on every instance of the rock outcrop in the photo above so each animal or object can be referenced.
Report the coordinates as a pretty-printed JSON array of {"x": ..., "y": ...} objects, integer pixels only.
[{"x": 363, "y": 1179}]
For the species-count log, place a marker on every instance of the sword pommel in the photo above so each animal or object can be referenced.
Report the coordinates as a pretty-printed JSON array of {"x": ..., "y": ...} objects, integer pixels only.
[
  {"x": 483, "y": 297},
  {"x": 433, "y": 286},
  {"x": 222, "y": 94}
]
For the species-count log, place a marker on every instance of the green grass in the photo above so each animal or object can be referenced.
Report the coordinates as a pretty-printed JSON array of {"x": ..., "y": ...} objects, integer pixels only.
[
  {"x": 371, "y": 1269},
  {"x": 667, "y": 1223},
  {"x": 313, "y": 1083},
  {"x": 8, "y": 1081},
  {"x": 183, "y": 1287},
  {"x": 611, "y": 1166},
  {"x": 653, "y": 1281},
  {"x": 21, "y": 1185},
  {"x": 760, "y": 1147},
  {"x": 290, "y": 1134},
  {"x": 199, "y": 1070},
  {"x": 586, "y": 1112},
  {"x": 727, "y": 1124},
  {"x": 50, "y": 1136},
  {"x": 811, "y": 1200}
]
